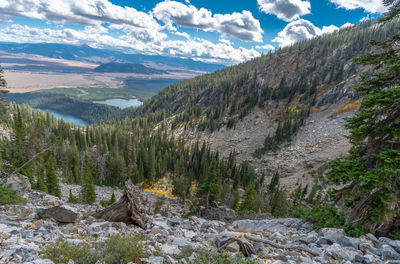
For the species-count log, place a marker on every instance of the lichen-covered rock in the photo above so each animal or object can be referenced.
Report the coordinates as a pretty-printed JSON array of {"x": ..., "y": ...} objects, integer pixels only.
[{"x": 62, "y": 214}]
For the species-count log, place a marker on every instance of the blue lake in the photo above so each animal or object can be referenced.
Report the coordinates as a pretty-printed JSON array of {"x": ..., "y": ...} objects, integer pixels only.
[
  {"x": 121, "y": 103},
  {"x": 67, "y": 118}
]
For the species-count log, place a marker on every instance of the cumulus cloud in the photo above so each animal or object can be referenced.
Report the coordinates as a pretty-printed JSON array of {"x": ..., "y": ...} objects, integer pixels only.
[
  {"x": 370, "y": 6},
  {"x": 87, "y": 12},
  {"x": 301, "y": 30},
  {"x": 266, "y": 47},
  {"x": 287, "y": 10},
  {"x": 241, "y": 26},
  {"x": 134, "y": 41}
]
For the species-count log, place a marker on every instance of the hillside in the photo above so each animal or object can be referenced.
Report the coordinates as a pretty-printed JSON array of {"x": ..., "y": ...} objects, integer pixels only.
[
  {"x": 307, "y": 87},
  {"x": 127, "y": 68}
]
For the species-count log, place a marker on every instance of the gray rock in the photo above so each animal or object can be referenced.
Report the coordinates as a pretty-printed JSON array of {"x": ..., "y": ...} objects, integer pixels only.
[
  {"x": 372, "y": 238},
  {"x": 348, "y": 242},
  {"x": 156, "y": 260},
  {"x": 170, "y": 249},
  {"x": 388, "y": 253},
  {"x": 233, "y": 247},
  {"x": 62, "y": 214},
  {"x": 180, "y": 242},
  {"x": 337, "y": 252},
  {"x": 18, "y": 182},
  {"x": 331, "y": 234},
  {"x": 40, "y": 261},
  {"x": 281, "y": 225}
]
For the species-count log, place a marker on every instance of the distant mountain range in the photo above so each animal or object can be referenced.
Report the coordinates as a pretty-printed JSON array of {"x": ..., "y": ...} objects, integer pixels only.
[
  {"x": 101, "y": 56},
  {"x": 127, "y": 68}
]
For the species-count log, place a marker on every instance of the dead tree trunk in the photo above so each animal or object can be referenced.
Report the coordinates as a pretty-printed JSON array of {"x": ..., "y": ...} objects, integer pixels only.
[{"x": 129, "y": 209}]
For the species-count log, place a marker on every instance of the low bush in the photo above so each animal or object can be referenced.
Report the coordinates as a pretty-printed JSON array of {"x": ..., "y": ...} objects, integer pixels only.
[
  {"x": 9, "y": 196},
  {"x": 116, "y": 249}
]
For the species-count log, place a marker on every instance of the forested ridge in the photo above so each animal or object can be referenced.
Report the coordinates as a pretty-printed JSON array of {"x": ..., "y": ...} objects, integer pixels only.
[{"x": 291, "y": 76}]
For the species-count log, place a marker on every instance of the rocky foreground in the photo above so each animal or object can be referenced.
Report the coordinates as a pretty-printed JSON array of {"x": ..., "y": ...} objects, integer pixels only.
[{"x": 26, "y": 229}]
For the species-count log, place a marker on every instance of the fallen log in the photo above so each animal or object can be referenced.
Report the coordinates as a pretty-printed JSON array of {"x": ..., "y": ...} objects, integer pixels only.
[
  {"x": 129, "y": 209},
  {"x": 276, "y": 245}
]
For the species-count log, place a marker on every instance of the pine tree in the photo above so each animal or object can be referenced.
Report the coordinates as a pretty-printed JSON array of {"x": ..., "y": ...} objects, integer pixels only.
[
  {"x": 248, "y": 204},
  {"x": 208, "y": 191},
  {"x": 236, "y": 199},
  {"x": 371, "y": 171},
  {"x": 3, "y": 84},
  {"x": 88, "y": 192},
  {"x": 52, "y": 179},
  {"x": 112, "y": 199},
  {"x": 19, "y": 138},
  {"x": 40, "y": 184},
  {"x": 274, "y": 184},
  {"x": 72, "y": 198},
  {"x": 279, "y": 204}
]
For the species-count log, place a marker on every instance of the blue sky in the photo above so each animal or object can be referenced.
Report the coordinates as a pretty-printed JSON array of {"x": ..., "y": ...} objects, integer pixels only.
[{"x": 217, "y": 31}]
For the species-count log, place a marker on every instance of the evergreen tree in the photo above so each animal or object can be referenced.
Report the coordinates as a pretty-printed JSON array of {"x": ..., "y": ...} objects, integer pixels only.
[
  {"x": 72, "y": 198},
  {"x": 88, "y": 192},
  {"x": 40, "y": 183},
  {"x": 279, "y": 204},
  {"x": 371, "y": 171},
  {"x": 236, "y": 200},
  {"x": 274, "y": 184},
  {"x": 208, "y": 191},
  {"x": 248, "y": 204},
  {"x": 112, "y": 199},
  {"x": 19, "y": 137},
  {"x": 3, "y": 84},
  {"x": 52, "y": 179}
]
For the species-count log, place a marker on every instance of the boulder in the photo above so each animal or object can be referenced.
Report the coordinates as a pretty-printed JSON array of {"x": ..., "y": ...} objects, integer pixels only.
[
  {"x": 233, "y": 247},
  {"x": 337, "y": 252},
  {"x": 220, "y": 213},
  {"x": 388, "y": 253},
  {"x": 62, "y": 214},
  {"x": 331, "y": 234},
  {"x": 18, "y": 182}
]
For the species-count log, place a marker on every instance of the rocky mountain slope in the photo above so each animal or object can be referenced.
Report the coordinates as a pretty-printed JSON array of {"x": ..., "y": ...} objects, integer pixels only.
[
  {"x": 25, "y": 231},
  {"x": 235, "y": 109}
]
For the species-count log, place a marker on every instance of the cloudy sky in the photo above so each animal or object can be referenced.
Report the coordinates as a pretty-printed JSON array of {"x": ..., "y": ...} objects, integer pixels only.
[{"x": 220, "y": 31}]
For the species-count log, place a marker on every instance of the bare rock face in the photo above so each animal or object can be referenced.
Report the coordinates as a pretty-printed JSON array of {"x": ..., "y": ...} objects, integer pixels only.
[
  {"x": 129, "y": 209},
  {"x": 62, "y": 214},
  {"x": 18, "y": 182}
]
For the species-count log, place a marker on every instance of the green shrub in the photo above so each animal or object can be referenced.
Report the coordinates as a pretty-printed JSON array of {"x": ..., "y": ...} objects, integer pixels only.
[
  {"x": 116, "y": 249},
  {"x": 123, "y": 249},
  {"x": 207, "y": 256},
  {"x": 72, "y": 199},
  {"x": 62, "y": 252},
  {"x": 8, "y": 196},
  {"x": 327, "y": 216}
]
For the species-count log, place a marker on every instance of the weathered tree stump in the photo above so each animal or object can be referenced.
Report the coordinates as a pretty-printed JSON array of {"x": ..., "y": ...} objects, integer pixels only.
[{"x": 129, "y": 209}]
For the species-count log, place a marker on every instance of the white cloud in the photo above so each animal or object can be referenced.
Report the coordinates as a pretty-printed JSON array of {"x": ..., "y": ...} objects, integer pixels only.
[
  {"x": 181, "y": 34},
  {"x": 241, "y": 26},
  {"x": 86, "y": 12},
  {"x": 134, "y": 41},
  {"x": 370, "y": 6},
  {"x": 301, "y": 30},
  {"x": 266, "y": 47},
  {"x": 286, "y": 10},
  {"x": 345, "y": 25}
]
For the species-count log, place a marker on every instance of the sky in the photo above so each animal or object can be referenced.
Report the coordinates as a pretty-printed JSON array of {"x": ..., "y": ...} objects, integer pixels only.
[{"x": 216, "y": 31}]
